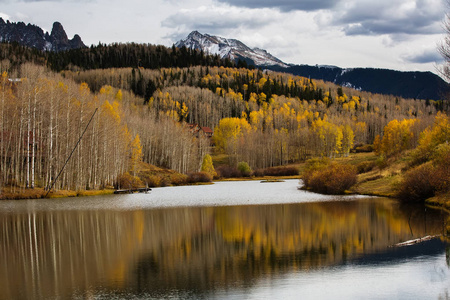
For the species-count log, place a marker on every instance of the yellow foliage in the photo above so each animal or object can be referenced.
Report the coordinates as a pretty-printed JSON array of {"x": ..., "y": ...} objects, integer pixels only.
[
  {"x": 207, "y": 166},
  {"x": 262, "y": 81},
  {"x": 262, "y": 98},
  {"x": 397, "y": 136},
  {"x": 119, "y": 95},
  {"x": 229, "y": 130},
  {"x": 136, "y": 152}
]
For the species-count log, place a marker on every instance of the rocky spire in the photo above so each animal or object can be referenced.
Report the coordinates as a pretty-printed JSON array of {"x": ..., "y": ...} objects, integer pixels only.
[{"x": 33, "y": 36}]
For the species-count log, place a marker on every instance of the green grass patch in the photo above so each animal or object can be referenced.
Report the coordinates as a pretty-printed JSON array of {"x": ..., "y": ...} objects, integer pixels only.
[{"x": 378, "y": 186}]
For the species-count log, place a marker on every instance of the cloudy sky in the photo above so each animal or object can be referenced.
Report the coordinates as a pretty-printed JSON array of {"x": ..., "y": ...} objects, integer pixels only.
[{"x": 394, "y": 34}]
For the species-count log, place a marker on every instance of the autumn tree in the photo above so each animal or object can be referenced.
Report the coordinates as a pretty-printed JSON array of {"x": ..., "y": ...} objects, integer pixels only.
[{"x": 207, "y": 166}]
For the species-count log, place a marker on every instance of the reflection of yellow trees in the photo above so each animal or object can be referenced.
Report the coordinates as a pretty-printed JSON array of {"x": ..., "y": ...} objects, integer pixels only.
[
  {"x": 333, "y": 231},
  {"x": 55, "y": 253}
]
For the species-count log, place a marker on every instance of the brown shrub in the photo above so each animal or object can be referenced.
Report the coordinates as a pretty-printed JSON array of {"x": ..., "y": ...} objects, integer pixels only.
[
  {"x": 427, "y": 180},
  {"x": 178, "y": 179},
  {"x": 417, "y": 184},
  {"x": 126, "y": 181},
  {"x": 199, "y": 177},
  {"x": 313, "y": 165},
  {"x": 360, "y": 148},
  {"x": 276, "y": 171},
  {"x": 330, "y": 179},
  {"x": 151, "y": 180},
  {"x": 365, "y": 166},
  {"x": 226, "y": 171}
]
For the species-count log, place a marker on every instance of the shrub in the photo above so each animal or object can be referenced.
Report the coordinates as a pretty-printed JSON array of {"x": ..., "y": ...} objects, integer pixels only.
[
  {"x": 365, "y": 166},
  {"x": 276, "y": 171},
  {"x": 360, "y": 148},
  {"x": 127, "y": 181},
  {"x": 207, "y": 166},
  {"x": 227, "y": 172},
  {"x": 199, "y": 177},
  {"x": 382, "y": 162},
  {"x": 178, "y": 179},
  {"x": 329, "y": 178},
  {"x": 417, "y": 184},
  {"x": 151, "y": 180},
  {"x": 441, "y": 175},
  {"x": 427, "y": 180},
  {"x": 244, "y": 168},
  {"x": 313, "y": 165}
]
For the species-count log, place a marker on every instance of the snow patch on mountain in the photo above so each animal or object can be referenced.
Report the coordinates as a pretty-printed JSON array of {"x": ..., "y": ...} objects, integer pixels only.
[{"x": 228, "y": 48}]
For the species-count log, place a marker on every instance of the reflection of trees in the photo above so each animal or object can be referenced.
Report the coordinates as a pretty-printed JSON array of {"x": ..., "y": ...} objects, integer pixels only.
[{"x": 44, "y": 254}]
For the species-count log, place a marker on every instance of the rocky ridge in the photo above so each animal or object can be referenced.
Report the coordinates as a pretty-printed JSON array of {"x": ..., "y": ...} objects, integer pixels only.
[{"x": 34, "y": 37}]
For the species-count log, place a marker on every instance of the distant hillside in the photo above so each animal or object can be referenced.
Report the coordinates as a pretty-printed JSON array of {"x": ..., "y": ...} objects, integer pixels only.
[
  {"x": 60, "y": 53},
  {"x": 34, "y": 37},
  {"x": 416, "y": 85}
]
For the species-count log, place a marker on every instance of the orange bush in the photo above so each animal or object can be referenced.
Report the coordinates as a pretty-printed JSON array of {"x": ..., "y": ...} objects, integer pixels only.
[
  {"x": 127, "y": 181},
  {"x": 331, "y": 179}
]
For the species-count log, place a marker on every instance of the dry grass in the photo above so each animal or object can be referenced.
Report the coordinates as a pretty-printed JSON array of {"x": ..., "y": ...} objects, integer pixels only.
[
  {"x": 95, "y": 192},
  {"x": 8, "y": 194},
  {"x": 357, "y": 158},
  {"x": 261, "y": 178},
  {"x": 39, "y": 193}
]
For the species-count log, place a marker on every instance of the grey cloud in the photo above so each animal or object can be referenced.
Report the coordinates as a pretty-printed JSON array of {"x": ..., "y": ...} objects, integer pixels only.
[
  {"x": 424, "y": 57},
  {"x": 284, "y": 5},
  {"x": 216, "y": 20},
  {"x": 382, "y": 17}
]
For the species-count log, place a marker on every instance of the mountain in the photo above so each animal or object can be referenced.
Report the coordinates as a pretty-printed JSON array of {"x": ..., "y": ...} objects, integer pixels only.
[
  {"x": 229, "y": 48},
  {"x": 417, "y": 85},
  {"x": 34, "y": 37}
]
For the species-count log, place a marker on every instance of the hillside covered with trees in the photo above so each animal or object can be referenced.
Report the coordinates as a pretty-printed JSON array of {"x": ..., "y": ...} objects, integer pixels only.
[{"x": 147, "y": 95}]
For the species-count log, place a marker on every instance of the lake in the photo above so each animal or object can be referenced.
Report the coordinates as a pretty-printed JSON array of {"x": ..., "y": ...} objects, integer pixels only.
[{"x": 229, "y": 240}]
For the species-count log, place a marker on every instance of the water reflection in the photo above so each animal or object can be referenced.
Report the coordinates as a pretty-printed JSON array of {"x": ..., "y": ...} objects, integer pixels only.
[{"x": 192, "y": 251}]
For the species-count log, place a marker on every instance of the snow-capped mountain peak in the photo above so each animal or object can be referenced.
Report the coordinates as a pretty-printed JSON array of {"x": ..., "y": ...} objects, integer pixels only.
[{"x": 229, "y": 48}]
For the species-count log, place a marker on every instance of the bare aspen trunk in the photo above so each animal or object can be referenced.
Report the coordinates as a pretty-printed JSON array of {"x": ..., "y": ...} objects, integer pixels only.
[
  {"x": 33, "y": 145},
  {"x": 50, "y": 145},
  {"x": 27, "y": 184}
]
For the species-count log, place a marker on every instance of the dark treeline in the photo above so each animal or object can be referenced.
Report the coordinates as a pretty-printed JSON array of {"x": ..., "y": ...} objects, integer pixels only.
[
  {"x": 117, "y": 55},
  {"x": 120, "y": 55}
]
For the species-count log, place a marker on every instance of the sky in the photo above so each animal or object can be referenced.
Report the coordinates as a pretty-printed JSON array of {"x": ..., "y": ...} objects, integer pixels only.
[{"x": 394, "y": 34}]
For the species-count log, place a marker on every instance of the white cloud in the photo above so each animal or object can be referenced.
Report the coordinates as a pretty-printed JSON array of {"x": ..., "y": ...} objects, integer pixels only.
[
  {"x": 367, "y": 17},
  {"x": 4, "y": 16}
]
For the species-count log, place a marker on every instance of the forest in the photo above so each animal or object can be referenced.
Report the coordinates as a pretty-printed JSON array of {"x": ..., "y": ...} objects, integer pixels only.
[{"x": 136, "y": 103}]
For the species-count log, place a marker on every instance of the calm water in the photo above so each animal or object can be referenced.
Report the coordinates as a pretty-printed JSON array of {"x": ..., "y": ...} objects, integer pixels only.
[{"x": 230, "y": 240}]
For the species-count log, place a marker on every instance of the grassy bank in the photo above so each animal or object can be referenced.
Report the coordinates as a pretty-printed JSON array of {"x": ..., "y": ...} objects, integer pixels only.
[
  {"x": 145, "y": 175},
  {"x": 375, "y": 177},
  {"x": 8, "y": 193}
]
